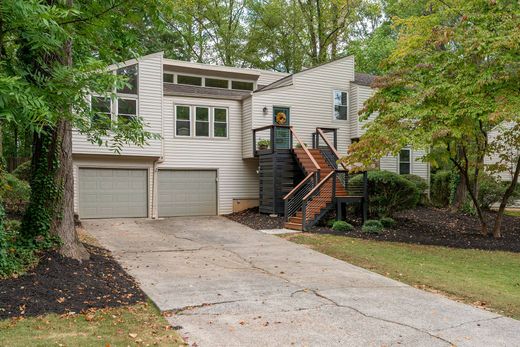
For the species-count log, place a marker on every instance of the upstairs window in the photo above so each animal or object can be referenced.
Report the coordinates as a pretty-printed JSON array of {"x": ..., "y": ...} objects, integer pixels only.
[
  {"x": 130, "y": 72},
  {"x": 404, "y": 161},
  {"x": 202, "y": 121},
  {"x": 102, "y": 113},
  {"x": 182, "y": 120},
  {"x": 340, "y": 105},
  {"x": 220, "y": 122},
  {"x": 189, "y": 80},
  {"x": 240, "y": 85},
  {"x": 167, "y": 77},
  {"x": 126, "y": 109},
  {"x": 216, "y": 83}
]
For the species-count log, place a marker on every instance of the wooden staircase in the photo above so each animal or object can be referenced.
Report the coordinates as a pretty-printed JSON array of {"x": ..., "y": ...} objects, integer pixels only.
[{"x": 325, "y": 196}]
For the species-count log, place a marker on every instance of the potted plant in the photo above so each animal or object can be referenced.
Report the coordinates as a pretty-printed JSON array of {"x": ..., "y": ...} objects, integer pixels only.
[{"x": 263, "y": 144}]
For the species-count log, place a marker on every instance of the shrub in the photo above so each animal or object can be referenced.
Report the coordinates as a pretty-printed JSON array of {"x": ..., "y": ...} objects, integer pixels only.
[
  {"x": 342, "y": 226},
  {"x": 440, "y": 190},
  {"x": 14, "y": 192},
  {"x": 388, "y": 192},
  {"x": 388, "y": 222},
  {"x": 372, "y": 226},
  {"x": 491, "y": 190},
  {"x": 330, "y": 223},
  {"x": 23, "y": 171},
  {"x": 421, "y": 184}
]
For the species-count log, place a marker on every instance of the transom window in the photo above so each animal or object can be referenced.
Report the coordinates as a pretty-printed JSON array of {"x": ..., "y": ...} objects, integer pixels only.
[
  {"x": 340, "y": 105},
  {"x": 168, "y": 77},
  {"x": 404, "y": 161},
  {"x": 190, "y": 80},
  {"x": 241, "y": 85},
  {"x": 216, "y": 83},
  {"x": 201, "y": 121},
  {"x": 131, "y": 74}
]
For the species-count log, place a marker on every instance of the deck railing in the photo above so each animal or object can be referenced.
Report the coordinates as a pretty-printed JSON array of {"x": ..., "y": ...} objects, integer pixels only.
[{"x": 265, "y": 140}]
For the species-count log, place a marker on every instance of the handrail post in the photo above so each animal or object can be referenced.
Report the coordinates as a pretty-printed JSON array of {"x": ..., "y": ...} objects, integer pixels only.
[
  {"x": 304, "y": 212},
  {"x": 254, "y": 143},
  {"x": 290, "y": 138},
  {"x": 335, "y": 134},
  {"x": 334, "y": 185},
  {"x": 285, "y": 210},
  {"x": 272, "y": 135}
]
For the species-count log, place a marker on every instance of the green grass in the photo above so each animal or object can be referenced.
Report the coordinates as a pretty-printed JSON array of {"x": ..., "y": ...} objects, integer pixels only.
[
  {"x": 488, "y": 278},
  {"x": 514, "y": 213},
  {"x": 140, "y": 324}
]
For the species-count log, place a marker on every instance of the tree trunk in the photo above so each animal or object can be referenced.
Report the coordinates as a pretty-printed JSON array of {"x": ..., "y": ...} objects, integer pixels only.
[
  {"x": 460, "y": 194},
  {"x": 497, "y": 233},
  {"x": 63, "y": 222}
]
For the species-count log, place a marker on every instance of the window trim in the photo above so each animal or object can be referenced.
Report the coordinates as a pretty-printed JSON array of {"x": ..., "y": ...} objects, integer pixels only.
[
  {"x": 176, "y": 79},
  {"x": 209, "y": 122},
  {"x": 334, "y": 119},
  {"x": 136, "y": 81},
  {"x": 111, "y": 106},
  {"x": 115, "y": 113},
  {"x": 190, "y": 120},
  {"x": 409, "y": 162},
  {"x": 213, "y": 123},
  {"x": 216, "y": 78},
  {"x": 173, "y": 77}
]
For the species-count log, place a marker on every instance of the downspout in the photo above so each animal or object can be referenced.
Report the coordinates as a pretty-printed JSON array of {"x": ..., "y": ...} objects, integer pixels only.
[{"x": 155, "y": 210}]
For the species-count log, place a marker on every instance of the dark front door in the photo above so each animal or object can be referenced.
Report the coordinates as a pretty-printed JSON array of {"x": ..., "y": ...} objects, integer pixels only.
[{"x": 281, "y": 116}]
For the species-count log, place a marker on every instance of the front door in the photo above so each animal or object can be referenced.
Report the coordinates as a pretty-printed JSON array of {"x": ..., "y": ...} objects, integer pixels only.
[{"x": 281, "y": 116}]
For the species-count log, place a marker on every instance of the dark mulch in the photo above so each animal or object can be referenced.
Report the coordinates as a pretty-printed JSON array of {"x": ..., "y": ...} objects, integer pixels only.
[
  {"x": 62, "y": 285},
  {"x": 255, "y": 220},
  {"x": 423, "y": 225}
]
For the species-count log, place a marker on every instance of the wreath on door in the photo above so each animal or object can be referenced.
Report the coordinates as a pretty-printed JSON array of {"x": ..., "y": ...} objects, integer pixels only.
[{"x": 281, "y": 118}]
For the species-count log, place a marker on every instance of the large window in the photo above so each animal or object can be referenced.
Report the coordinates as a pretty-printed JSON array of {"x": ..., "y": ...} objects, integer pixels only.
[
  {"x": 126, "y": 109},
  {"x": 190, "y": 80},
  {"x": 182, "y": 121},
  {"x": 202, "y": 121},
  {"x": 130, "y": 72},
  {"x": 102, "y": 114},
  {"x": 340, "y": 105},
  {"x": 216, "y": 83},
  {"x": 404, "y": 161},
  {"x": 220, "y": 122}
]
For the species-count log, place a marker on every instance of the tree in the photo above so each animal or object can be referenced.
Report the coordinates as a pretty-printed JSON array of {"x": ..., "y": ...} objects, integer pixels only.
[
  {"x": 48, "y": 69},
  {"x": 453, "y": 78}
]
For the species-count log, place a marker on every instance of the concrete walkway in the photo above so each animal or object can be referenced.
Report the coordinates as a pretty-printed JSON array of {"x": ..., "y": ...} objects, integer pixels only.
[{"x": 228, "y": 285}]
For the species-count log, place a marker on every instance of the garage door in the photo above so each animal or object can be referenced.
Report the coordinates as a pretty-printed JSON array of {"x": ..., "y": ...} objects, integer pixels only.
[
  {"x": 187, "y": 193},
  {"x": 110, "y": 193}
]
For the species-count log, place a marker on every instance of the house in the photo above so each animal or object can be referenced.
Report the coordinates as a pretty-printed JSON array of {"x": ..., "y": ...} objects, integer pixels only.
[{"x": 205, "y": 162}]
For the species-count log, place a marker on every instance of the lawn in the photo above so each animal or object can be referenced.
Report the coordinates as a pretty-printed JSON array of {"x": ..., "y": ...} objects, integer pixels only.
[
  {"x": 514, "y": 213},
  {"x": 485, "y": 278},
  {"x": 139, "y": 324}
]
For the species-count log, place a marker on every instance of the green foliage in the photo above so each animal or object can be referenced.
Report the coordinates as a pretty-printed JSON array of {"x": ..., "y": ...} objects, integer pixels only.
[
  {"x": 263, "y": 143},
  {"x": 23, "y": 171},
  {"x": 14, "y": 193},
  {"x": 441, "y": 188},
  {"x": 388, "y": 222},
  {"x": 372, "y": 226},
  {"x": 491, "y": 190},
  {"x": 342, "y": 226},
  {"x": 388, "y": 192},
  {"x": 421, "y": 185}
]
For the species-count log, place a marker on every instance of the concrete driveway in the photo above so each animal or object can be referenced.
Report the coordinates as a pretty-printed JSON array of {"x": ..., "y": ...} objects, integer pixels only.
[{"x": 228, "y": 285}]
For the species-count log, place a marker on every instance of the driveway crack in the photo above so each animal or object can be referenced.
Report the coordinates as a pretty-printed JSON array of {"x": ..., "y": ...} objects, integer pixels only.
[{"x": 180, "y": 311}]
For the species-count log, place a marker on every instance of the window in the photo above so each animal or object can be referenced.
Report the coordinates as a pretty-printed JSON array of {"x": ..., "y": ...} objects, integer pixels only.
[
  {"x": 220, "y": 122},
  {"x": 182, "y": 121},
  {"x": 404, "y": 161},
  {"x": 242, "y": 85},
  {"x": 191, "y": 80},
  {"x": 102, "y": 116},
  {"x": 167, "y": 77},
  {"x": 202, "y": 121},
  {"x": 130, "y": 72},
  {"x": 216, "y": 83},
  {"x": 340, "y": 105},
  {"x": 126, "y": 109}
]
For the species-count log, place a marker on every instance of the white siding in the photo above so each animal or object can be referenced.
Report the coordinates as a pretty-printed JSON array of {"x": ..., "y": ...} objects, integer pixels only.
[
  {"x": 112, "y": 162},
  {"x": 268, "y": 77},
  {"x": 149, "y": 104},
  {"x": 418, "y": 167},
  {"x": 494, "y": 158},
  {"x": 310, "y": 99},
  {"x": 363, "y": 94},
  {"x": 247, "y": 126},
  {"x": 237, "y": 177}
]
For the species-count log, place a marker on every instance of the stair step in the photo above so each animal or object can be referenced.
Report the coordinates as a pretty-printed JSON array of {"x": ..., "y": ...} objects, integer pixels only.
[
  {"x": 296, "y": 220},
  {"x": 293, "y": 226}
]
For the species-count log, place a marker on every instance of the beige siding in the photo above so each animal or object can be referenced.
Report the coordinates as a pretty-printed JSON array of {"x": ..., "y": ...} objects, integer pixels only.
[
  {"x": 268, "y": 77},
  {"x": 418, "y": 167},
  {"x": 237, "y": 177},
  {"x": 112, "y": 162},
  {"x": 364, "y": 93},
  {"x": 247, "y": 126},
  {"x": 310, "y": 101},
  {"x": 150, "y": 108},
  {"x": 494, "y": 158}
]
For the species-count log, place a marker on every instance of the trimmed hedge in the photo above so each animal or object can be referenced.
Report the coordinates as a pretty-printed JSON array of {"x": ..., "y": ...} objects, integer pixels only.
[
  {"x": 388, "y": 222},
  {"x": 421, "y": 184},
  {"x": 389, "y": 192},
  {"x": 372, "y": 226},
  {"x": 342, "y": 226}
]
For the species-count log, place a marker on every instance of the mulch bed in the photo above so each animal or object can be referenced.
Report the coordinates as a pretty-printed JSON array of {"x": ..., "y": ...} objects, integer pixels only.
[
  {"x": 423, "y": 225},
  {"x": 62, "y": 285}
]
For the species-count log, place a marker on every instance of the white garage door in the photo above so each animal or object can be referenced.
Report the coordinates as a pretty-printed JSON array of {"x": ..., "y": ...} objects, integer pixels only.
[
  {"x": 111, "y": 193},
  {"x": 187, "y": 193}
]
